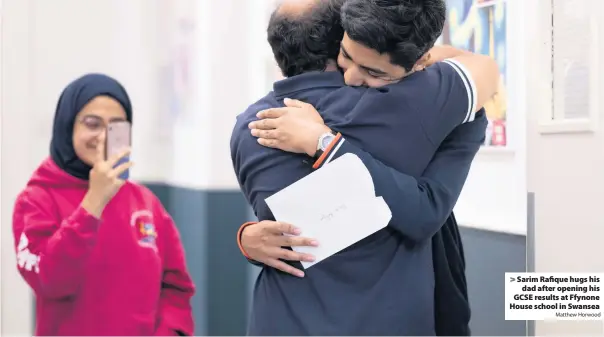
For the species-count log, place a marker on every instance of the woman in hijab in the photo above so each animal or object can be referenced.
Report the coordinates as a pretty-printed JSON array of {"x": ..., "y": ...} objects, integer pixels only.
[{"x": 101, "y": 254}]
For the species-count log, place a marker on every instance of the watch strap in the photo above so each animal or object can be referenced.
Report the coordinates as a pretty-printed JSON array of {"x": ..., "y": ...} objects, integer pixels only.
[{"x": 321, "y": 155}]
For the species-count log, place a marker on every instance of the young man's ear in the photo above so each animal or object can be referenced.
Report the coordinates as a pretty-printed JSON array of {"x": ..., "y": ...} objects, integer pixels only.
[{"x": 331, "y": 65}]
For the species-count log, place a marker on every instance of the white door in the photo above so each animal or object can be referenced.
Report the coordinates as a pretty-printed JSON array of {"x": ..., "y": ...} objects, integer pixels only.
[{"x": 565, "y": 142}]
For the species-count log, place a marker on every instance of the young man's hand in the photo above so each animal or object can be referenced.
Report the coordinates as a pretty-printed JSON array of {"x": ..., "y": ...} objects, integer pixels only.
[
  {"x": 442, "y": 52},
  {"x": 295, "y": 128}
]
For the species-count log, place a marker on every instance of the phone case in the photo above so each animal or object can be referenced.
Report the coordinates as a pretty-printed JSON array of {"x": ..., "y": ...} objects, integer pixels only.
[{"x": 118, "y": 138}]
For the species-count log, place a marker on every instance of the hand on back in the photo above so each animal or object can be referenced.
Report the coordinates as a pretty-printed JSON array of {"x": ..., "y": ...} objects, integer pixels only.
[
  {"x": 295, "y": 128},
  {"x": 265, "y": 241}
]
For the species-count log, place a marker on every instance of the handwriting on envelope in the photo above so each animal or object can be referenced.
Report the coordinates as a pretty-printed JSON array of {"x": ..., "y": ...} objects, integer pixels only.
[
  {"x": 336, "y": 205},
  {"x": 330, "y": 215}
]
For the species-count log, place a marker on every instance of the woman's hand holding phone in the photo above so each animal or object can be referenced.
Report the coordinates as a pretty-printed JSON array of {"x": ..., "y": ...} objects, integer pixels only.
[{"x": 104, "y": 179}]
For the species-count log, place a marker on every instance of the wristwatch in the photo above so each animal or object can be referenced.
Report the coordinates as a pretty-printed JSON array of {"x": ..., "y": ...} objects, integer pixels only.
[{"x": 324, "y": 141}]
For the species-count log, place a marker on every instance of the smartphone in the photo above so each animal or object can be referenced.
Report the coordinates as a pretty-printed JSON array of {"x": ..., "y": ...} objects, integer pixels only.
[{"x": 118, "y": 138}]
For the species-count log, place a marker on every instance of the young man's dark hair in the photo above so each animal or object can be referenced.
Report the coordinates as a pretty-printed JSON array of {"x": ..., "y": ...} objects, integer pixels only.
[
  {"x": 307, "y": 40},
  {"x": 403, "y": 29}
]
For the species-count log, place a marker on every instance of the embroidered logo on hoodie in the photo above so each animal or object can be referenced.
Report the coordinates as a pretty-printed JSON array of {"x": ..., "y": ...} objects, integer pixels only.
[{"x": 142, "y": 223}]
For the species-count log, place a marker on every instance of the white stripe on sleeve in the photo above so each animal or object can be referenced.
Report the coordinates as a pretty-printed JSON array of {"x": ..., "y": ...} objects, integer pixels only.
[
  {"x": 470, "y": 86},
  {"x": 334, "y": 150}
]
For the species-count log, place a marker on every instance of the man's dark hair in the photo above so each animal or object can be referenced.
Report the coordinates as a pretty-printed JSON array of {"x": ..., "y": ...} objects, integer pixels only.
[
  {"x": 403, "y": 29},
  {"x": 303, "y": 42}
]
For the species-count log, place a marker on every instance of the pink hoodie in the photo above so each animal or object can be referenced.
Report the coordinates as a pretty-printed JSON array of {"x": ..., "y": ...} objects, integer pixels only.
[{"x": 122, "y": 275}]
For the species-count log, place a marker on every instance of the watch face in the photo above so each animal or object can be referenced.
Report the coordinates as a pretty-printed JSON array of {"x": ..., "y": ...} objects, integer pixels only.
[{"x": 326, "y": 141}]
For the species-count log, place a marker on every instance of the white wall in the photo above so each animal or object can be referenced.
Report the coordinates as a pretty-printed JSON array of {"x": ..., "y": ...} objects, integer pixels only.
[
  {"x": 494, "y": 197},
  {"x": 566, "y": 154},
  {"x": 1, "y": 218},
  {"x": 15, "y": 320}
]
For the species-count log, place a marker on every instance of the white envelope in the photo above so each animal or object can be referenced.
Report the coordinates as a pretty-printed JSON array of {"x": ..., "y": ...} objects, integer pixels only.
[
  {"x": 336, "y": 205},
  {"x": 344, "y": 228}
]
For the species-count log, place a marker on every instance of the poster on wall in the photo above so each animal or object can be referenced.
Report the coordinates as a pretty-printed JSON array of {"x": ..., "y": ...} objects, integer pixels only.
[
  {"x": 176, "y": 41},
  {"x": 480, "y": 26}
]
